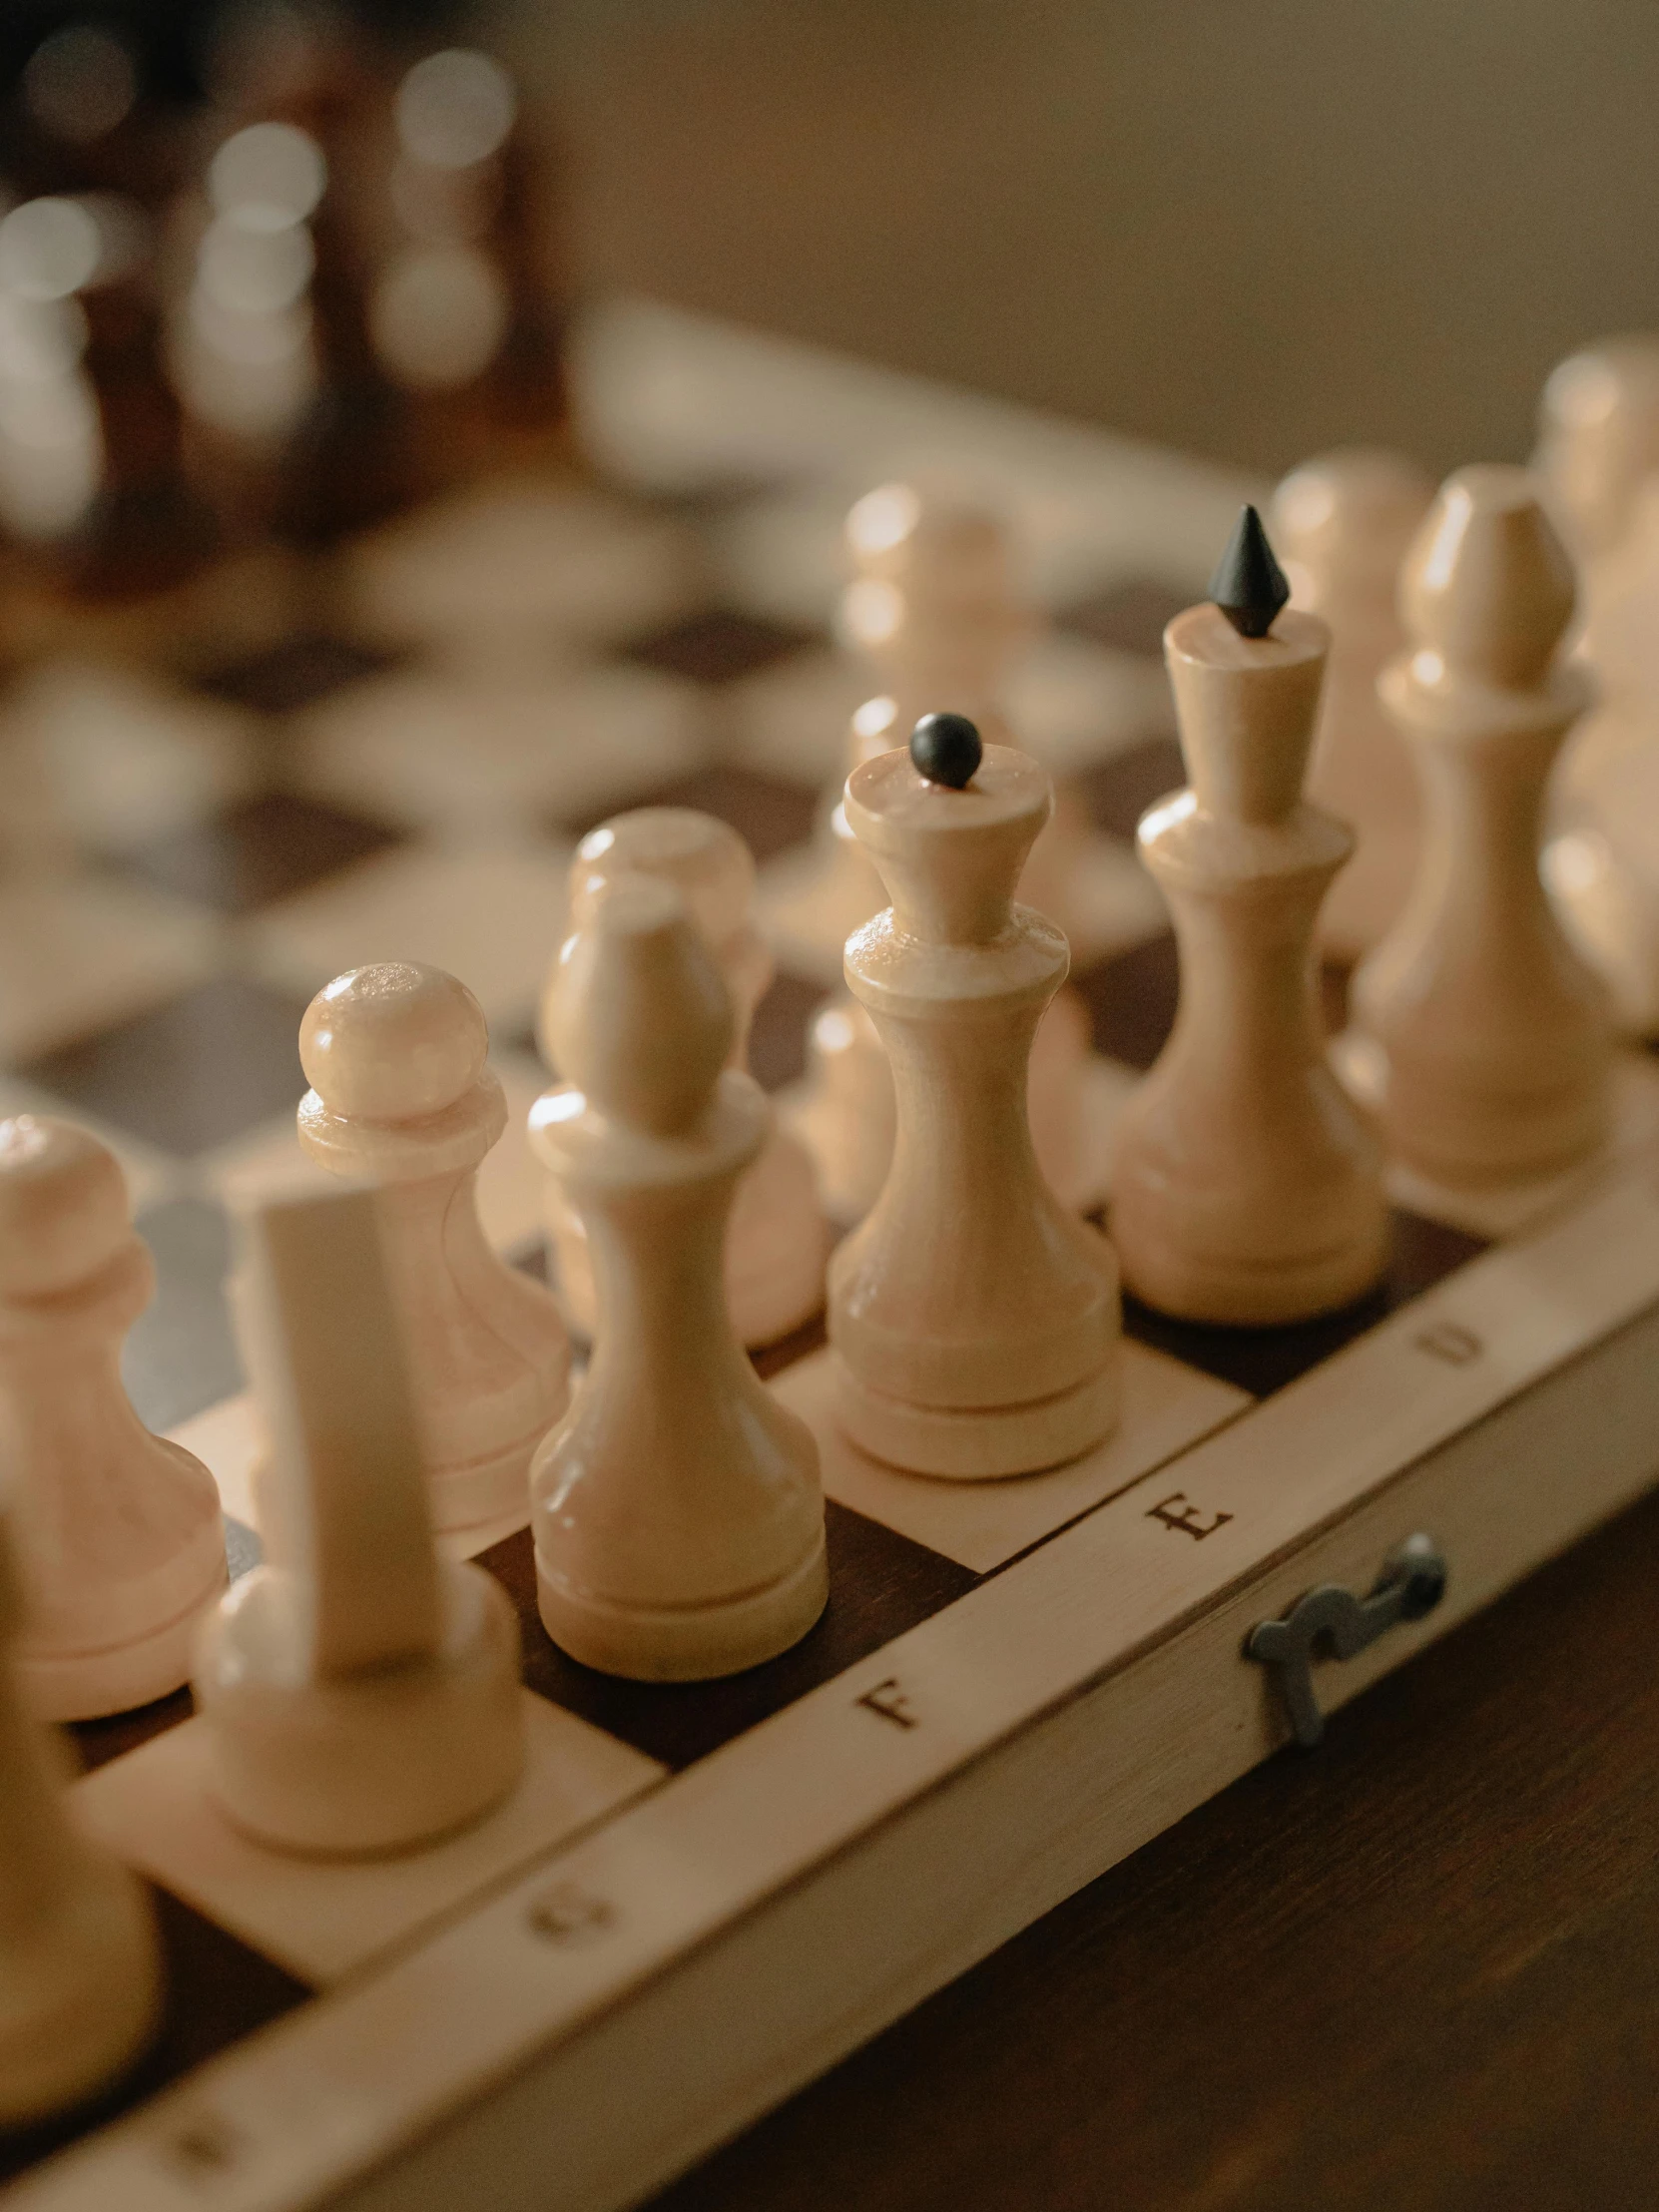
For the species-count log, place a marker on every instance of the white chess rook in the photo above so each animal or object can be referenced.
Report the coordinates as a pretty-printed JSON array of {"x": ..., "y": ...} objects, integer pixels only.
[
  {"x": 360, "y": 1694},
  {"x": 777, "y": 1240},
  {"x": 80, "y": 1968},
  {"x": 974, "y": 1321},
  {"x": 1247, "y": 1190},
  {"x": 121, "y": 1531},
  {"x": 679, "y": 1522},
  {"x": 1481, "y": 1036},
  {"x": 401, "y": 1097}
]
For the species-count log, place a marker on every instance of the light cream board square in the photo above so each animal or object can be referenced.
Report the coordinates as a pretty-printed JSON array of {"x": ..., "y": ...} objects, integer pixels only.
[
  {"x": 489, "y": 913},
  {"x": 1074, "y": 704},
  {"x": 80, "y": 951},
  {"x": 230, "y": 1440},
  {"x": 1166, "y": 1407},
  {"x": 460, "y": 756},
  {"x": 791, "y": 719},
  {"x": 322, "y": 1919},
  {"x": 478, "y": 572},
  {"x": 102, "y": 756}
]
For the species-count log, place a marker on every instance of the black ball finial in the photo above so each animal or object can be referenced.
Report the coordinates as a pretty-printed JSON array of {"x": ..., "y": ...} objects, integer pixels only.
[
  {"x": 1248, "y": 585},
  {"x": 945, "y": 749}
]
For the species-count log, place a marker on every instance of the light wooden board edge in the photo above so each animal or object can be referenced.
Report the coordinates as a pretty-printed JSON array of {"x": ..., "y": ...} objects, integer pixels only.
[
  {"x": 349, "y": 2081},
  {"x": 601, "y": 2123}
]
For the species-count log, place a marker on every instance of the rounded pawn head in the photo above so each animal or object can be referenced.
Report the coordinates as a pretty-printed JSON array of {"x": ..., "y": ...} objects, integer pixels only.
[
  {"x": 1487, "y": 584},
  {"x": 704, "y": 858},
  {"x": 639, "y": 1016},
  {"x": 1344, "y": 520},
  {"x": 1599, "y": 438},
  {"x": 63, "y": 1207},
  {"x": 393, "y": 1042}
]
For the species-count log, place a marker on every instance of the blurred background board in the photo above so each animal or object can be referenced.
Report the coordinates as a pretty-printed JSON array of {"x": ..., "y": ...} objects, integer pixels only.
[{"x": 1418, "y": 1968}]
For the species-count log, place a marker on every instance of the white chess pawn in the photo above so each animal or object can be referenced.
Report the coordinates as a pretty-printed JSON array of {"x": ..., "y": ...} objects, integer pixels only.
[
  {"x": 360, "y": 1695},
  {"x": 401, "y": 1097},
  {"x": 679, "y": 1522},
  {"x": 1247, "y": 1188},
  {"x": 777, "y": 1240},
  {"x": 974, "y": 1320},
  {"x": 121, "y": 1531},
  {"x": 1481, "y": 1037},
  {"x": 80, "y": 1968},
  {"x": 1342, "y": 524}
]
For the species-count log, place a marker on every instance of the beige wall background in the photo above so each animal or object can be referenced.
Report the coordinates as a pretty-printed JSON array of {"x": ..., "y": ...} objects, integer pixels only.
[{"x": 1248, "y": 228}]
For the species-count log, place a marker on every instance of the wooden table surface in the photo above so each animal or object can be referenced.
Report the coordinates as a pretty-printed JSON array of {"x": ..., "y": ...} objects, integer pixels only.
[{"x": 1411, "y": 1971}]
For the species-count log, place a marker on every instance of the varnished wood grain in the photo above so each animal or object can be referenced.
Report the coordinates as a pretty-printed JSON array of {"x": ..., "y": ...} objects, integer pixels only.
[{"x": 1414, "y": 1968}]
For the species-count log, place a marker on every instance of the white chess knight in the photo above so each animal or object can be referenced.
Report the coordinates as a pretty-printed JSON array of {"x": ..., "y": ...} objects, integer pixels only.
[
  {"x": 1480, "y": 1035},
  {"x": 403, "y": 1097},
  {"x": 121, "y": 1530},
  {"x": 360, "y": 1694},
  {"x": 974, "y": 1320},
  {"x": 777, "y": 1240},
  {"x": 80, "y": 1966},
  {"x": 678, "y": 1518}
]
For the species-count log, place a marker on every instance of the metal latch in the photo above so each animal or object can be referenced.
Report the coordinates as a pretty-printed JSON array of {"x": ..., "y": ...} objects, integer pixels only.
[{"x": 1412, "y": 1583}]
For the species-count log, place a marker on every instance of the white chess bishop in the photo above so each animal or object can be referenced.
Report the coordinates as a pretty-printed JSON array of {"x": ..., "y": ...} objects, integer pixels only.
[
  {"x": 121, "y": 1530},
  {"x": 678, "y": 1517},
  {"x": 1483, "y": 1040},
  {"x": 1598, "y": 453},
  {"x": 1248, "y": 1189},
  {"x": 777, "y": 1240},
  {"x": 401, "y": 1097},
  {"x": 360, "y": 1694},
  {"x": 80, "y": 1966},
  {"x": 973, "y": 1319}
]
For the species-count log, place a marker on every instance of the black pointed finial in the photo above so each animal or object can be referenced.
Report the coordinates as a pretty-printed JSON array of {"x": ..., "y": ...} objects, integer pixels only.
[
  {"x": 1248, "y": 585},
  {"x": 945, "y": 749}
]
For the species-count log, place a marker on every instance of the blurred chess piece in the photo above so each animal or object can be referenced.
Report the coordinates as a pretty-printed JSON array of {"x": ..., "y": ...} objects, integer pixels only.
[
  {"x": 1342, "y": 523},
  {"x": 403, "y": 1097},
  {"x": 1598, "y": 455},
  {"x": 350, "y": 456},
  {"x": 123, "y": 523},
  {"x": 777, "y": 1240},
  {"x": 120, "y": 1530},
  {"x": 469, "y": 307},
  {"x": 80, "y": 1966}
]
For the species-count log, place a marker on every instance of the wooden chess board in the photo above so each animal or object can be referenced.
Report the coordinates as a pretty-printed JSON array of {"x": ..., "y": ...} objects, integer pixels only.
[{"x": 701, "y": 1896}]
